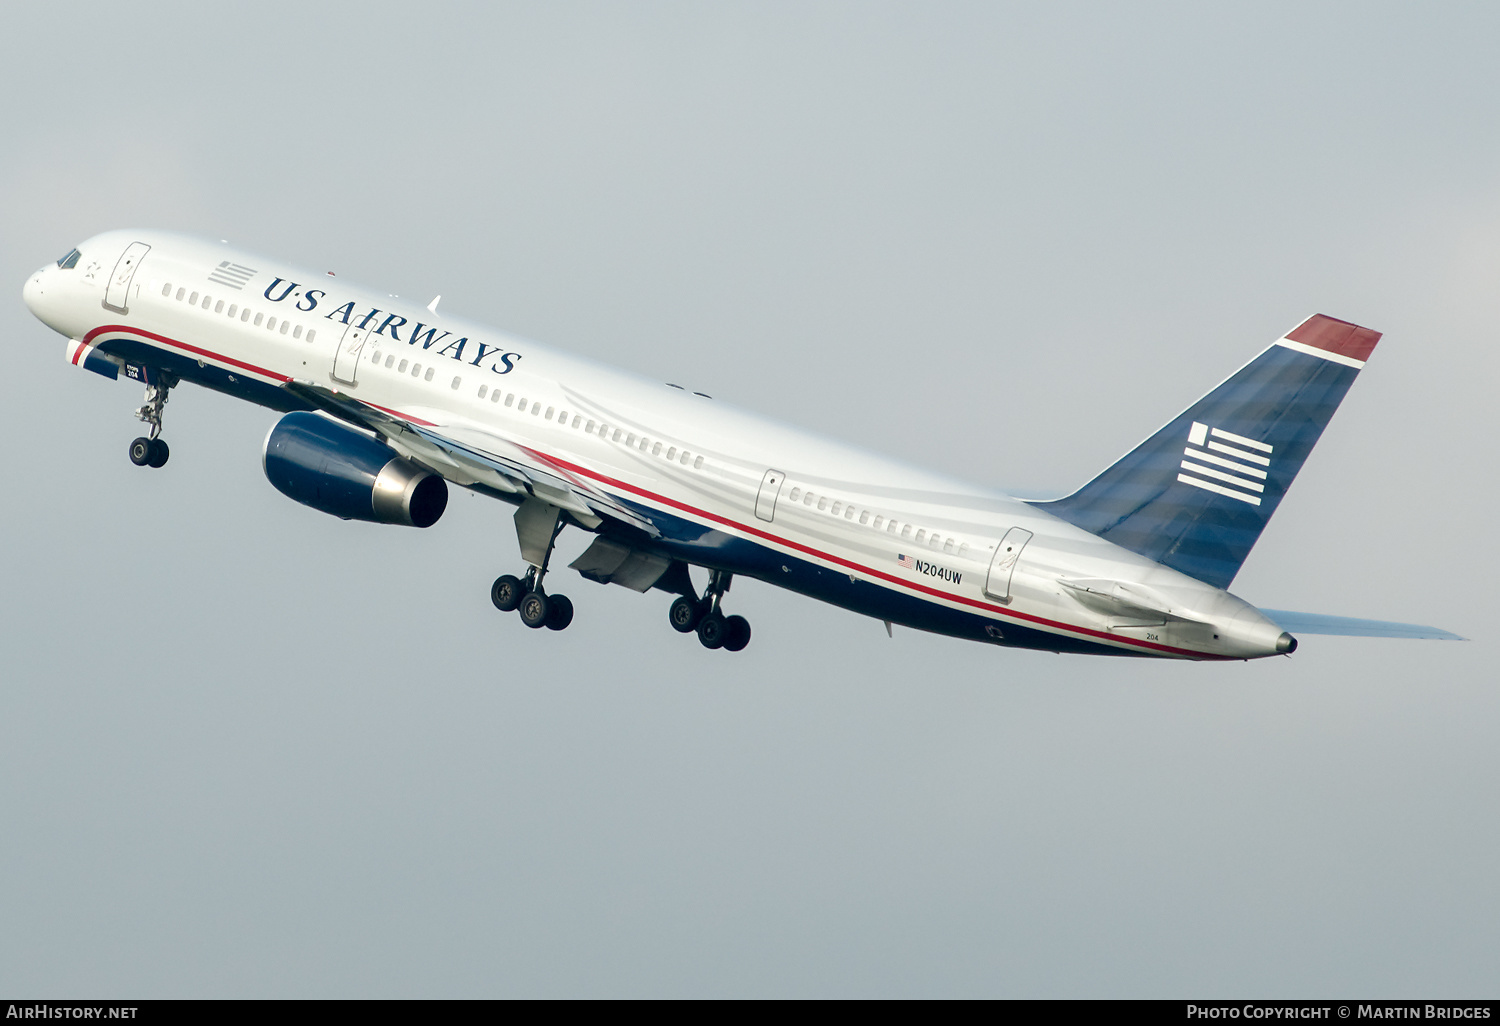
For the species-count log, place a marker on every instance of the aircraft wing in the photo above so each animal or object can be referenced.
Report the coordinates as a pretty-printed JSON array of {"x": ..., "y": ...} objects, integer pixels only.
[
  {"x": 469, "y": 455},
  {"x": 1344, "y": 626}
]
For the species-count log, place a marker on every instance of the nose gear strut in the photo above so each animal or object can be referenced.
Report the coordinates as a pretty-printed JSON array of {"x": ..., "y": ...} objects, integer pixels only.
[{"x": 152, "y": 451}]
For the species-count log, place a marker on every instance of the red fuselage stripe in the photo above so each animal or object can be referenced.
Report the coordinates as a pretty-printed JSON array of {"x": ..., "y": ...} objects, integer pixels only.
[
  {"x": 695, "y": 511},
  {"x": 819, "y": 554},
  {"x": 252, "y": 368}
]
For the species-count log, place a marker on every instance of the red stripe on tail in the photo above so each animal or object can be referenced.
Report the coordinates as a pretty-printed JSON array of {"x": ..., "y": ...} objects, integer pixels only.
[{"x": 1335, "y": 336}]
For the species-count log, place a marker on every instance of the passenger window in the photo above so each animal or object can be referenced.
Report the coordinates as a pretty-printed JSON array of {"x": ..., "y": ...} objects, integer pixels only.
[
  {"x": 416, "y": 370},
  {"x": 297, "y": 331},
  {"x": 193, "y": 299},
  {"x": 807, "y": 500},
  {"x": 483, "y": 391},
  {"x": 375, "y": 358},
  {"x": 630, "y": 440},
  {"x": 948, "y": 545},
  {"x": 310, "y": 334},
  {"x": 219, "y": 307},
  {"x": 684, "y": 459},
  {"x": 836, "y": 507},
  {"x": 617, "y": 434},
  {"x": 166, "y": 290},
  {"x": 590, "y": 427},
  {"x": 180, "y": 293},
  {"x": 401, "y": 367},
  {"x": 963, "y": 550},
  {"x": 390, "y": 360},
  {"x": 921, "y": 534},
  {"x": 258, "y": 318},
  {"x": 906, "y": 530},
  {"x": 796, "y": 494},
  {"x": 207, "y": 302},
  {"x": 645, "y": 443},
  {"x": 520, "y": 407},
  {"x": 656, "y": 449},
  {"x": 698, "y": 463},
  {"x": 671, "y": 454},
  {"x": 577, "y": 419},
  {"x": 285, "y": 325},
  {"x": 509, "y": 398},
  {"x": 822, "y": 503},
  {"x": 536, "y": 408},
  {"x": 233, "y": 309},
  {"x": 495, "y": 396},
  {"x": 879, "y": 523},
  {"x": 428, "y": 375},
  {"x": 270, "y": 323},
  {"x": 864, "y": 516},
  {"x": 549, "y": 413},
  {"x": 848, "y": 512},
  {"x": 457, "y": 382}
]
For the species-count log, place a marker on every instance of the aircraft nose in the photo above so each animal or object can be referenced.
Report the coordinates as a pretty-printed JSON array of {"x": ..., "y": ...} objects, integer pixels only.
[{"x": 34, "y": 289}]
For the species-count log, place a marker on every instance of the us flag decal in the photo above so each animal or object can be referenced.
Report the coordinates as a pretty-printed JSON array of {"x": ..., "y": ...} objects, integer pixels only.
[{"x": 1226, "y": 463}]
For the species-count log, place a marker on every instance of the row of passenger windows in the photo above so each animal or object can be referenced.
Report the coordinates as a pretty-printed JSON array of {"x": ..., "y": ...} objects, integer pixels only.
[
  {"x": 629, "y": 439},
  {"x": 416, "y": 368},
  {"x": 536, "y": 407},
  {"x": 879, "y": 522},
  {"x": 245, "y": 314}
]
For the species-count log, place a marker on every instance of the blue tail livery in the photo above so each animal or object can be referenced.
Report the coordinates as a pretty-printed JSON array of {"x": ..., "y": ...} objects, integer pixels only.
[{"x": 1196, "y": 495}]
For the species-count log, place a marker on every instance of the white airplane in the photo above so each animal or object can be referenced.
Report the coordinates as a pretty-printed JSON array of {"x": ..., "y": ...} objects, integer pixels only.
[{"x": 387, "y": 404}]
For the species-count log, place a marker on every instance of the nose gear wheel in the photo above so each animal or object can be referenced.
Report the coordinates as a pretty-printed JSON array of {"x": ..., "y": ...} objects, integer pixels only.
[{"x": 151, "y": 450}]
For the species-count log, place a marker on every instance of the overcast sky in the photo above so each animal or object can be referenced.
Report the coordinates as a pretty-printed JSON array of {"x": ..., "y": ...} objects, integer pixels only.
[{"x": 247, "y": 749}]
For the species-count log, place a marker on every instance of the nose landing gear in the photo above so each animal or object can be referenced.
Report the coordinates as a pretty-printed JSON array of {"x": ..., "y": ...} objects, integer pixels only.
[
  {"x": 715, "y": 630},
  {"x": 151, "y": 450}
]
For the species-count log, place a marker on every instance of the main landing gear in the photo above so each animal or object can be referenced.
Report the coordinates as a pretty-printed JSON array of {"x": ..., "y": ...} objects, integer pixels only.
[
  {"x": 537, "y": 526},
  {"x": 152, "y": 451},
  {"x": 714, "y": 629}
]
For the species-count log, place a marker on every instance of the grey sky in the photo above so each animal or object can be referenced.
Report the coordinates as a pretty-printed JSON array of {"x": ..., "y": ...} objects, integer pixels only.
[{"x": 252, "y": 750}]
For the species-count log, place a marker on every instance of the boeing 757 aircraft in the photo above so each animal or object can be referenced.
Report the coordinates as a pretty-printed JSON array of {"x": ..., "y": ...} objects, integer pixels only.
[{"x": 387, "y": 405}]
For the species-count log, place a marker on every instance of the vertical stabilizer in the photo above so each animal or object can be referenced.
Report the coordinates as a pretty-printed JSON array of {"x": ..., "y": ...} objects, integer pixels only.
[{"x": 1196, "y": 495}]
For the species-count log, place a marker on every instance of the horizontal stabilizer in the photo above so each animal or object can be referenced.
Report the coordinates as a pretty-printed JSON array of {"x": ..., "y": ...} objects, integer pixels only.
[{"x": 1348, "y": 627}]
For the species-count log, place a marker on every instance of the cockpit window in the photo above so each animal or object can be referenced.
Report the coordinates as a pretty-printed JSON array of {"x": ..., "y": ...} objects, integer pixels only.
[{"x": 68, "y": 259}]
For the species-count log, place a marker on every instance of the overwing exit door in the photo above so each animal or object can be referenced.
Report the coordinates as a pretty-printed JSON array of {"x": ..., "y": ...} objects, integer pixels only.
[
  {"x": 346, "y": 356},
  {"x": 117, "y": 295},
  {"x": 1003, "y": 566}
]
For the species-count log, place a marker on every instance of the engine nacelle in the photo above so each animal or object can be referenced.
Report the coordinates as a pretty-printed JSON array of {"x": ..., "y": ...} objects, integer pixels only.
[{"x": 340, "y": 470}]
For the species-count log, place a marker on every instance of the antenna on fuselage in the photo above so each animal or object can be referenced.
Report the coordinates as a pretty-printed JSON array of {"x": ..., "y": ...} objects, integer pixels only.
[{"x": 432, "y": 306}]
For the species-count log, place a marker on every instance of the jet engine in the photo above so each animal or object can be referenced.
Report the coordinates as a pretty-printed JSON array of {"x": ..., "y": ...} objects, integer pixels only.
[{"x": 344, "y": 471}]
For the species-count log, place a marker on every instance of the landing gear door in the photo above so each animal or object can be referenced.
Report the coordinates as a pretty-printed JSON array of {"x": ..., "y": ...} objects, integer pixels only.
[
  {"x": 346, "y": 357},
  {"x": 997, "y": 584},
  {"x": 765, "y": 499},
  {"x": 117, "y": 296}
]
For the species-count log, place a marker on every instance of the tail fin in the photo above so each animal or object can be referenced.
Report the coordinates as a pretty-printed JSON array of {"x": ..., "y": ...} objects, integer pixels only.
[{"x": 1196, "y": 495}]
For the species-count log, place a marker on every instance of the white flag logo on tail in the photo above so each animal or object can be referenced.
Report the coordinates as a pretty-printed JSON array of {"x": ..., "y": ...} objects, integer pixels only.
[{"x": 1226, "y": 463}]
